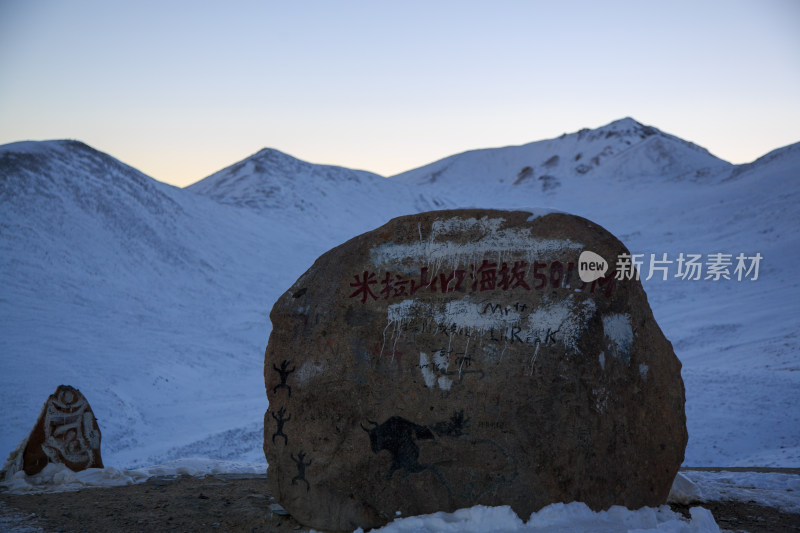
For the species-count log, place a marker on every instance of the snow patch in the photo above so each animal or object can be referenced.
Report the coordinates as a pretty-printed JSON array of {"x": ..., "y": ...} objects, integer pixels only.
[
  {"x": 573, "y": 517},
  {"x": 539, "y": 212},
  {"x": 684, "y": 491},
  {"x": 768, "y": 489}
]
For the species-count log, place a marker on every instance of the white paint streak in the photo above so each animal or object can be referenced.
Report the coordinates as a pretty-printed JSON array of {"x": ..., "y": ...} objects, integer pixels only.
[
  {"x": 565, "y": 317},
  {"x": 439, "y": 249},
  {"x": 309, "y": 370},
  {"x": 617, "y": 328},
  {"x": 427, "y": 372},
  {"x": 429, "y": 369},
  {"x": 468, "y": 315},
  {"x": 643, "y": 369},
  {"x": 485, "y": 225},
  {"x": 564, "y": 320},
  {"x": 441, "y": 361},
  {"x": 601, "y": 398},
  {"x": 533, "y": 358},
  {"x": 401, "y": 311},
  {"x": 465, "y": 315}
]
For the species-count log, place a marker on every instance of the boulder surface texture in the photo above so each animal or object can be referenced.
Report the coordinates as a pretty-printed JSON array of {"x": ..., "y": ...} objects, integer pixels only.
[{"x": 455, "y": 358}]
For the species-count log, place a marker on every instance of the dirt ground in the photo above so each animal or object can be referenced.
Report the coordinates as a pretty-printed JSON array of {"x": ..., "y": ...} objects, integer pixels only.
[
  {"x": 184, "y": 503},
  {"x": 239, "y": 503}
]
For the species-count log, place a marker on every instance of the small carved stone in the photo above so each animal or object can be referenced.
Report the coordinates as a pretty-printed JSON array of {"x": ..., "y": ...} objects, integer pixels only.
[{"x": 66, "y": 432}]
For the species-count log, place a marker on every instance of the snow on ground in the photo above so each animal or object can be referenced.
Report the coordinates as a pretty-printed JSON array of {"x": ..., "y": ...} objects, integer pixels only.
[
  {"x": 770, "y": 489},
  {"x": 59, "y": 478},
  {"x": 779, "y": 490},
  {"x": 556, "y": 518}
]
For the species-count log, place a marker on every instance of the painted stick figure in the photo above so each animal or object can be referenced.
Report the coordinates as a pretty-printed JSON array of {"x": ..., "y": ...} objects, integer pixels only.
[
  {"x": 301, "y": 468},
  {"x": 284, "y": 372},
  {"x": 281, "y": 419}
]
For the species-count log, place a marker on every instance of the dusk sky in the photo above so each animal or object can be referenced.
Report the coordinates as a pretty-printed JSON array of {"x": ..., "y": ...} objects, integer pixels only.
[{"x": 180, "y": 90}]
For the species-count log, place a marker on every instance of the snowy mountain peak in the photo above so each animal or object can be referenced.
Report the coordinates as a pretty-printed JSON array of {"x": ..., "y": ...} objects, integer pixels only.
[
  {"x": 71, "y": 164},
  {"x": 40, "y": 147},
  {"x": 63, "y": 149},
  {"x": 271, "y": 179},
  {"x": 85, "y": 190},
  {"x": 274, "y": 156},
  {"x": 772, "y": 164},
  {"x": 622, "y": 150},
  {"x": 626, "y": 127},
  {"x": 624, "y": 123},
  {"x": 630, "y": 132},
  {"x": 277, "y": 184}
]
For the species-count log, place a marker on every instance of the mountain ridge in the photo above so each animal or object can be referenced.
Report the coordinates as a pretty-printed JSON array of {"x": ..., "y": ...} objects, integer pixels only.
[
  {"x": 621, "y": 150},
  {"x": 620, "y": 127},
  {"x": 283, "y": 185}
]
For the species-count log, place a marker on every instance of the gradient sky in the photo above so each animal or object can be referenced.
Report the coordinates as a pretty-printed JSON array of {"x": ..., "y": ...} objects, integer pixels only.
[{"x": 180, "y": 89}]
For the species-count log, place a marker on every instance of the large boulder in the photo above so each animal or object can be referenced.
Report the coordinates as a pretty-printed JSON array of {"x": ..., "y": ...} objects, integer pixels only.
[{"x": 455, "y": 358}]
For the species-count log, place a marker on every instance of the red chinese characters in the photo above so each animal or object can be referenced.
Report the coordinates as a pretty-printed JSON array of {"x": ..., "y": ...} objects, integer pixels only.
[
  {"x": 363, "y": 286},
  {"x": 487, "y": 276}
]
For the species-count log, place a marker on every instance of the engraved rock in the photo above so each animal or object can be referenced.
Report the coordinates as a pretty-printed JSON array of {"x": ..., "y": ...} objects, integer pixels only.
[
  {"x": 66, "y": 432},
  {"x": 455, "y": 358}
]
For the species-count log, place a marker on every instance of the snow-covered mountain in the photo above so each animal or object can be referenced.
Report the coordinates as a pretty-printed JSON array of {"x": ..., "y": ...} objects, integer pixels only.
[
  {"x": 283, "y": 187},
  {"x": 136, "y": 293},
  {"x": 154, "y": 300},
  {"x": 622, "y": 150}
]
